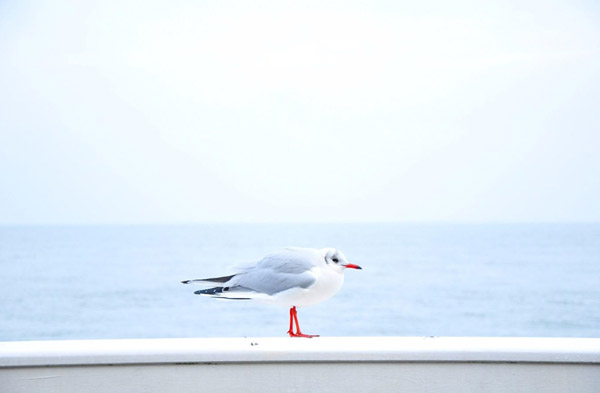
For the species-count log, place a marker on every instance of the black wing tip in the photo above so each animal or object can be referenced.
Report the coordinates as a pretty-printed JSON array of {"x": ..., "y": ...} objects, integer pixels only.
[
  {"x": 212, "y": 291},
  {"x": 219, "y": 293},
  {"x": 222, "y": 279}
]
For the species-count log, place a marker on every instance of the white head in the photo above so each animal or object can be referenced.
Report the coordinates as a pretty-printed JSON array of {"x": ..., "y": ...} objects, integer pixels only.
[{"x": 336, "y": 260}]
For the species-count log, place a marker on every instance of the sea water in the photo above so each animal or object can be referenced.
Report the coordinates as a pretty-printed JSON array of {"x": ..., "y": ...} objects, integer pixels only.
[{"x": 96, "y": 282}]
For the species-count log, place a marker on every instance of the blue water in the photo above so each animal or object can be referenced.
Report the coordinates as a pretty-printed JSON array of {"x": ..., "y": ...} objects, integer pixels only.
[{"x": 94, "y": 282}]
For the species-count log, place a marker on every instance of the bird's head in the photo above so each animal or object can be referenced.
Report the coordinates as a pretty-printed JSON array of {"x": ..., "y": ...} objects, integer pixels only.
[{"x": 337, "y": 260}]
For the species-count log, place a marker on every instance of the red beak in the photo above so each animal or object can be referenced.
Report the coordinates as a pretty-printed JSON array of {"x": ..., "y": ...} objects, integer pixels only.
[{"x": 353, "y": 266}]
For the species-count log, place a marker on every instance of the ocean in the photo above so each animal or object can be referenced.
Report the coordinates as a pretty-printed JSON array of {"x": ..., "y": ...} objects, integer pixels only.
[{"x": 98, "y": 282}]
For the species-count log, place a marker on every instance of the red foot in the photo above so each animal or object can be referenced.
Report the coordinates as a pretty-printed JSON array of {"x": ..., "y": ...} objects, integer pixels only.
[
  {"x": 294, "y": 321},
  {"x": 302, "y": 335}
]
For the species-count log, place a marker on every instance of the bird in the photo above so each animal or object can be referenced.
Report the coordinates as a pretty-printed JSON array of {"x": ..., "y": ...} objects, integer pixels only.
[{"x": 292, "y": 277}]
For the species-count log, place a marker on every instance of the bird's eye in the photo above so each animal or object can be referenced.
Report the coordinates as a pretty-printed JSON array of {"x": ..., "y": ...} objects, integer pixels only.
[{"x": 335, "y": 260}]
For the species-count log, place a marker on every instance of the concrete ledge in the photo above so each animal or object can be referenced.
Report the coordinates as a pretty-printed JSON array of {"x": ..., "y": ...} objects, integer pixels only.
[
  {"x": 356, "y": 364},
  {"x": 333, "y": 349}
]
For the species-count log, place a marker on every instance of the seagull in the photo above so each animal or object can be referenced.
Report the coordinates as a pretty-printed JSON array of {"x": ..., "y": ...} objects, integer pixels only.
[{"x": 293, "y": 277}]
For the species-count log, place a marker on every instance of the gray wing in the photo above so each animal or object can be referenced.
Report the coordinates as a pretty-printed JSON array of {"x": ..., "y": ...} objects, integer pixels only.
[
  {"x": 293, "y": 260},
  {"x": 280, "y": 271},
  {"x": 266, "y": 281}
]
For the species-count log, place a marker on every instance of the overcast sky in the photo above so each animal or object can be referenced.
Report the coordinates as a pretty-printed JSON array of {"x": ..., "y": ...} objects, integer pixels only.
[{"x": 192, "y": 111}]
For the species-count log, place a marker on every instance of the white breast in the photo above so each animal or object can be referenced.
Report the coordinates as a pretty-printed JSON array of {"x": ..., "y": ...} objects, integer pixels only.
[{"x": 328, "y": 283}]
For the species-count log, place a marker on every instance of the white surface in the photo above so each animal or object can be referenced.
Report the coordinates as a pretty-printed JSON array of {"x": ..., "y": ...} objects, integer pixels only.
[
  {"x": 269, "y": 365},
  {"x": 313, "y": 377},
  {"x": 330, "y": 349}
]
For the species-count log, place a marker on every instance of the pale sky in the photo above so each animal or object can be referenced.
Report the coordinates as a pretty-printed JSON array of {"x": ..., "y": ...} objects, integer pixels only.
[{"x": 219, "y": 111}]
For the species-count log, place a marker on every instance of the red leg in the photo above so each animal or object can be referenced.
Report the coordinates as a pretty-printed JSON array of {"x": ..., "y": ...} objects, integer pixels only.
[
  {"x": 294, "y": 317},
  {"x": 291, "y": 331}
]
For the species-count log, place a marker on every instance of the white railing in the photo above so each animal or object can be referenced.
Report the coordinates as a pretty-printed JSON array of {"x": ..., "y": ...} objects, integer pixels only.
[{"x": 356, "y": 364}]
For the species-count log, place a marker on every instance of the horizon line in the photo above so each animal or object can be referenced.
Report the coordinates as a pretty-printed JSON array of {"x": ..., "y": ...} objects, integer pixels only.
[{"x": 252, "y": 222}]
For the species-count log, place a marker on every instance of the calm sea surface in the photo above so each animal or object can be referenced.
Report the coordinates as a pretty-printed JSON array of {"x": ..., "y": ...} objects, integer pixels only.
[{"x": 93, "y": 282}]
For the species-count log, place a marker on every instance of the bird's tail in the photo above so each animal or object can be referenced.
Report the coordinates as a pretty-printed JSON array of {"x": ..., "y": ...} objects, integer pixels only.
[
  {"x": 215, "y": 291},
  {"x": 233, "y": 292},
  {"x": 209, "y": 280},
  {"x": 225, "y": 293}
]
